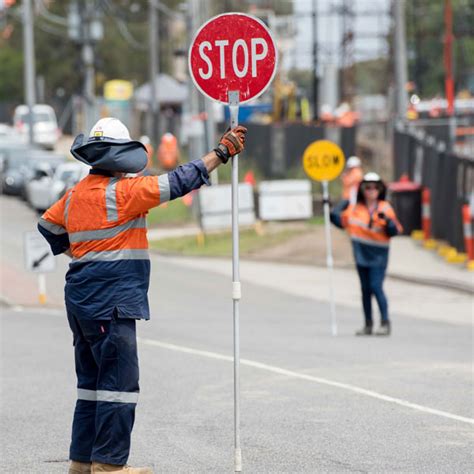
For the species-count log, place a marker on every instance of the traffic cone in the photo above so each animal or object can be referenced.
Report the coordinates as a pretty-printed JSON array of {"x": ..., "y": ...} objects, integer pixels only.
[
  {"x": 428, "y": 243},
  {"x": 468, "y": 221},
  {"x": 250, "y": 178}
]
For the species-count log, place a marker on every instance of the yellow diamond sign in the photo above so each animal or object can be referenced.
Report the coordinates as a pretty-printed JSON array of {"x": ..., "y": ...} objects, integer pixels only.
[{"x": 323, "y": 160}]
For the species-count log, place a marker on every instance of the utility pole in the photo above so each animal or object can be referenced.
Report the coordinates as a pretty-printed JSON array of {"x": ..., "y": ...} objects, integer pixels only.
[
  {"x": 154, "y": 42},
  {"x": 85, "y": 28},
  {"x": 196, "y": 128},
  {"x": 315, "y": 61},
  {"x": 29, "y": 65},
  {"x": 401, "y": 75},
  {"x": 448, "y": 70},
  {"x": 210, "y": 119}
]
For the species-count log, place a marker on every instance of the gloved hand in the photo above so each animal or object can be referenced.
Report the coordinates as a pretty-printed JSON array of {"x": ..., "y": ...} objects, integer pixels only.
[
  {"x": 231, "y": 143},
  {"x": 383, "y": 216}
]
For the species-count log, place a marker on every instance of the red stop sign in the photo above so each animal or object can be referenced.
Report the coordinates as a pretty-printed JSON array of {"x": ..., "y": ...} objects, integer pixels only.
[{"x": 232, "y": 52}]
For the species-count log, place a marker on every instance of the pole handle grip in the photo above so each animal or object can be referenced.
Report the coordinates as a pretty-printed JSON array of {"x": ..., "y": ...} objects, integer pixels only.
[{"x": 236, "y": 290}]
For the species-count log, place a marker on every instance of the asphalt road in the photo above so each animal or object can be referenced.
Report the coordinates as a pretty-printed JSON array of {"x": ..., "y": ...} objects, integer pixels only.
[{"x": 310, "y": 402}]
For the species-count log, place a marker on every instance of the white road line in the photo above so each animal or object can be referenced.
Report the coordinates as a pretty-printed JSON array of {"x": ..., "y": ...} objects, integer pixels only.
[{"x": 310, "y": 378}]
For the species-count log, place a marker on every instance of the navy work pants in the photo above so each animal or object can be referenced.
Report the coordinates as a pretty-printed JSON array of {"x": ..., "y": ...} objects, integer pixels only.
[
  {"x": 107, "y": 382},
  {"x": 371, "y": 282}
]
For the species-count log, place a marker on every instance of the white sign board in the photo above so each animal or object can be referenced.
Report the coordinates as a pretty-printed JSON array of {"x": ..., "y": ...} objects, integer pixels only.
[
  {"x": 285, "y": 200},
  {"x": 38, "y": 255},
  {"x": 215, "y": 206}
]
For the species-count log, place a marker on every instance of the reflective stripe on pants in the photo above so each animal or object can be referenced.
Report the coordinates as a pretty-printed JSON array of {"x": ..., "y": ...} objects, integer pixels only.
[{"x": 107, "y": 379}]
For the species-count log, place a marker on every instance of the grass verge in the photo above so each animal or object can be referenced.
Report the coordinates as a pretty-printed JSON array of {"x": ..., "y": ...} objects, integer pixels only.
[
  {"x": 220, "y": 245},
  {"x": 172, "y": 213}
]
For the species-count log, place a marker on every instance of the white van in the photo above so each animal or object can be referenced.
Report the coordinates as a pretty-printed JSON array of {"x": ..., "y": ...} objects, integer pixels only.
[{"x": 45, "y": 128}]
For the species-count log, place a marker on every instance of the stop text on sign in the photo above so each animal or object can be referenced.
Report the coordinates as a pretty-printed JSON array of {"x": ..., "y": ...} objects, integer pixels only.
[
  {"x": 241, "y": 55},
  {"x": 232, "y": 52}
]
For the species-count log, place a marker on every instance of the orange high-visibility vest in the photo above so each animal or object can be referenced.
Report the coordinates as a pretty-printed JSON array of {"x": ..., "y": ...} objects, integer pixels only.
[
  {"x": 367, "y": 229},
  {"x": 105, "y": 217}
]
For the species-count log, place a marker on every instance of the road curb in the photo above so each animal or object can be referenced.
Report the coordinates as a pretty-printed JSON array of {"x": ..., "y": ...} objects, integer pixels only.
[
  {"x": 443, "y": 284},
  {"x": 5, "y": 302},
  {"x": 433, "y": 282}
]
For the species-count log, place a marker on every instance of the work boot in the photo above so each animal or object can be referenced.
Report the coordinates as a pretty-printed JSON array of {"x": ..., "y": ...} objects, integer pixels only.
[
  {"x": 365, "y": 331},
  {"x": 384, "y": 329},
  {"x": 115, "y": 469},
  {"x": 77, "y": 467}
]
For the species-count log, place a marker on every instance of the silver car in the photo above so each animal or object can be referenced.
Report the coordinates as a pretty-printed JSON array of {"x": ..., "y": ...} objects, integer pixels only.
[{"x": 48, "y": 185}]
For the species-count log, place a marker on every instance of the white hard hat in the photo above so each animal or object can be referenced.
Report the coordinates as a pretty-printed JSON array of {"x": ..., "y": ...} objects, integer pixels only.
[
  {"x": 353, "y": 162},
  {"x": 109, "y": 147},
  {"x": 110, "y": 127},
  {"x": 372, "y": 177},
  {"x": 145, "y": 139}
]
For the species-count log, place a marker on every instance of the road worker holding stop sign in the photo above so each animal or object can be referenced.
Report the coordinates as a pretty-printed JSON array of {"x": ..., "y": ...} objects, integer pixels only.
[{"x": 101, "y": 224}]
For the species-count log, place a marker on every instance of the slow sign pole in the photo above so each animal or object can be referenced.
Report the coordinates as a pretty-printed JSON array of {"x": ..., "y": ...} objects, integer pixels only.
[
  {"x": 324, "y": 161},
  {"x": 329, "y": 259},
  {"x": 236, "y": 290}
]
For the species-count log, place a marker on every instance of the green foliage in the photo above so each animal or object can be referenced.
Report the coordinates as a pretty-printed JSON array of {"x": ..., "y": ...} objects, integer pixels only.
[
  {"x": 372, "y": 77},
  {"x": 174, "y": 213},
  {"x": 425, "y": 40},
  {"x": 11, "y": 69}
]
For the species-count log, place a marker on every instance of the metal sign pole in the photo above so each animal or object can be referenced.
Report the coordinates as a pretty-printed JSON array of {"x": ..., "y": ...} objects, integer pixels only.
[
  {"x": 329, "y": 259},
  {"x": 42, "y": 288},
  {"x": 236, "y": 291}
]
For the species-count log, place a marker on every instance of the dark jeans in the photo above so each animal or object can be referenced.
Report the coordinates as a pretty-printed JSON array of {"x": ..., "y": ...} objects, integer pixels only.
[
  {"x": 371, "y": 282},
  {"x": 106, "y": 361}
]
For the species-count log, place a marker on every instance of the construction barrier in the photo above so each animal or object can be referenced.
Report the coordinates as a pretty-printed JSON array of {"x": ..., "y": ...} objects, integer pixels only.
[
  {"x": 276, "y": 149},
  {"x": 448, "y": 177}
]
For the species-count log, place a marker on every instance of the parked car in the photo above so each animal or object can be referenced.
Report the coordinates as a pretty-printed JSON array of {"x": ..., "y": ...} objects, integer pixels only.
[
  {"x": 47, "y": 185},
  {"x": 45, "y": 126},
  {"x": 19, "y": 162},
  {"x": 8, "y": 133},
  {"x": 13, "y": 158}
]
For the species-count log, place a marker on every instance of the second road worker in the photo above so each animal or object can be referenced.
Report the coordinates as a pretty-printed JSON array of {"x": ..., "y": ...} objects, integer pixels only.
[
  {"x": 351, "y": 178},
  {"x": 370, "y": 223},
  {"x": 101, "y": 224}
]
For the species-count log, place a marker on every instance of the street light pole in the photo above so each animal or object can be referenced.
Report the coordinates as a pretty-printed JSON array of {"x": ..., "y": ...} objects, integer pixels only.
[
  {"x": 29, "y": 65},
  {"x": 401, "y": 75},
  {"x": 315, "y": 61},
  {"x": 153, "y": 108}
]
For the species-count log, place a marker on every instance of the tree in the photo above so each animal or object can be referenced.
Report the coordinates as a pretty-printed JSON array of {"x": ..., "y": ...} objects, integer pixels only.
[{"x": 425, "y": 39}]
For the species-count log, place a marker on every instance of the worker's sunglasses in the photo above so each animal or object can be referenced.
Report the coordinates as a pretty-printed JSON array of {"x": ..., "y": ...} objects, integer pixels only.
[{"x": 368, "y": 187}]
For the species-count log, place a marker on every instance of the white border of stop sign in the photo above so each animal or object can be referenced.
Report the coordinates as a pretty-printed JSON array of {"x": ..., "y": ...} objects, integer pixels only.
[{"x": 221, "y": 44}]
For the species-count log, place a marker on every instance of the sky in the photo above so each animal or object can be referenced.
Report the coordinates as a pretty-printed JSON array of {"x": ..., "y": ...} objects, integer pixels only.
[{"x": 299, "y": 54}]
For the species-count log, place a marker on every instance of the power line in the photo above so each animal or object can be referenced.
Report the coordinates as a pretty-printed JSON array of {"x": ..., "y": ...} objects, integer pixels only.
[
  {"x": 122, "y": 27},
  {"x": 44, "y": 12}
]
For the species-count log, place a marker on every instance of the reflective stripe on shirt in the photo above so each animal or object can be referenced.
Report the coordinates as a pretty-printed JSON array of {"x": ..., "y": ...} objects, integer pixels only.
[
  {"x": 107, "y": 396},
  {"x": 113, "y": 255},
  {"x": 53, "y": 228},
  {"x": 102, "y": 234},
  {"x": 376, "y": 243},
  {"x": 164, "y": 188},
  {"x": 66, "y": 207},
  {"x": 358, "y": 223},
  {"x": 111, "y": 200}
]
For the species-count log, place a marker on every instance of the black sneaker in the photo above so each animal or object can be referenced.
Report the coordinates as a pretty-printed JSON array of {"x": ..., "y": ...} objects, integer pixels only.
[
  {"x": 384, "y": 330},
  {"x": 365, "y": 331}
]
